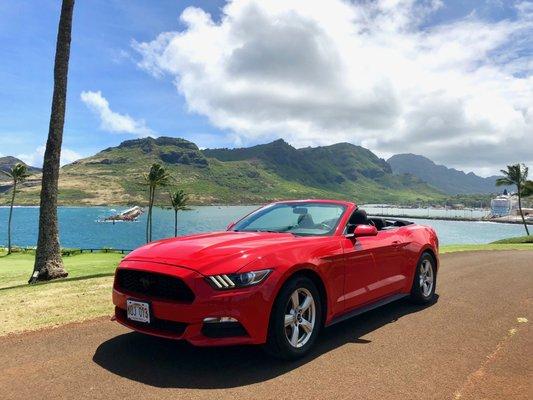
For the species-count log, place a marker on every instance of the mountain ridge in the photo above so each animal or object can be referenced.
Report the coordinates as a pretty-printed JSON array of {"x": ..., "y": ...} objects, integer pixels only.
[
  {"x": 7, "y": 162},
  {"x": 448, "y": 180},
  {"x": 251, "y": 175}
]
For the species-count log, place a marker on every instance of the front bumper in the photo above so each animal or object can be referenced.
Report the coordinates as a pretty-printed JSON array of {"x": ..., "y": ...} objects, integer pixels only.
[{"x": 181, "y": 320}]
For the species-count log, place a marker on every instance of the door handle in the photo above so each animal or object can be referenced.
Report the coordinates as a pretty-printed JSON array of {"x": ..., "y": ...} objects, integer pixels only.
[{"x": 396, "y": 242}]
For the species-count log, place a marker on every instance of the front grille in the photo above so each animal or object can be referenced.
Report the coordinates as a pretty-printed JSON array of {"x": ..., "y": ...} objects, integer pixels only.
[
  {"x": 156, "y": 325},
  {"x": 154, "y": 285}
]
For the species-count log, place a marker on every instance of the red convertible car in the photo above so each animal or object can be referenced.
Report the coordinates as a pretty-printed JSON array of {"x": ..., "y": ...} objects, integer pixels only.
[{"x": 276, "y": 277}]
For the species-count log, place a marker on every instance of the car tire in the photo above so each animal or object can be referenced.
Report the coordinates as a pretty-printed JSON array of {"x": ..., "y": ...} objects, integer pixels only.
[
  {"x": 293, "y": 328},
  {"x": 424, "y": 280}
]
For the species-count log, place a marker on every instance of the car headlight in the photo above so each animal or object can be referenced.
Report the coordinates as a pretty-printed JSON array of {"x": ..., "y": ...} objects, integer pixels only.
[{"x": 233, "y": 281}]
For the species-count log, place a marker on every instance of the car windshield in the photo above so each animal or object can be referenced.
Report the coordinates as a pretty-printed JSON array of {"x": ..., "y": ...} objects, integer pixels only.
[{"x": 306, "y": 219}]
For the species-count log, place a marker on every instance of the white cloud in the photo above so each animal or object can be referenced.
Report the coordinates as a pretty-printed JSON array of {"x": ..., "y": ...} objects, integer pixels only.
[
  {"x": 319, "y": 72},
  {"x": 112, "y": 121},
  {"x": 36, "y": 158}
]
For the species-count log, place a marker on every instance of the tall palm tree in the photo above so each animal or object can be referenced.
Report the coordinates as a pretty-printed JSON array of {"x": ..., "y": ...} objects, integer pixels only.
[
  {"x": 515, "y": 175},
  {"x": 18, "y": 174},
  {"x": 48, "y": 262},
  {"x": 155, "y": 178},
  {"x": 179, "y": 200}
]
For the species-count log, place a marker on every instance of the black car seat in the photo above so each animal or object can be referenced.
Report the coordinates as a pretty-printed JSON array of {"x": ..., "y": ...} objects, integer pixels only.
[
  {"x": 379, "y": 223},
  {"x": 305, "y": 221},
  {"x": 358, "y": 217}
]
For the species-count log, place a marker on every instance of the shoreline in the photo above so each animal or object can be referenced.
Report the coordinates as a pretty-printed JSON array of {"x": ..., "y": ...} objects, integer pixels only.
[
  {"x": 464, "y": 219},
  {"x": 500, "y": 220}
]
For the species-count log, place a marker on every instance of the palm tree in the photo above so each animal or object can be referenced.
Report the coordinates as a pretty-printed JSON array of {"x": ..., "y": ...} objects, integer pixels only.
[
  {"x": 179, "y": 200},
  {"x": 48, "y": 262},
  {"x": 18, "y": 174},
  {"x": 155, "y": 178},
  {"x": 515, "y": 175},
  {"x": 528, "y": 189}
]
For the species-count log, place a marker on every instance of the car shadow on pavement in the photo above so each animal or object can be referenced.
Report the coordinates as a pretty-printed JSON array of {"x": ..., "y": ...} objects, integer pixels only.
[{"x": 175, "y": 364}]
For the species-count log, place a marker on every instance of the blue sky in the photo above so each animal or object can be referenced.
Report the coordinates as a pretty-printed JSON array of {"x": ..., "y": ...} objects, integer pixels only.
[
  {"x": 104, "y": 60},
  {"x": 102, "y": 32}
]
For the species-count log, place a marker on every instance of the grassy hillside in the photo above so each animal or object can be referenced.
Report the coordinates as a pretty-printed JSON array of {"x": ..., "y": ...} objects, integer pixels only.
[{"x": 251, "y": 175}]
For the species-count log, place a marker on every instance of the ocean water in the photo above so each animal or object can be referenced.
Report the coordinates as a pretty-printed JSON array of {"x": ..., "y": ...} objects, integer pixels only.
[{"x": 78, "y": 226}]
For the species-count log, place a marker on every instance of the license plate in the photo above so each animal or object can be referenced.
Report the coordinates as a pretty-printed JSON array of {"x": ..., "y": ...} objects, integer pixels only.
[{"x": 138, "y": 311}]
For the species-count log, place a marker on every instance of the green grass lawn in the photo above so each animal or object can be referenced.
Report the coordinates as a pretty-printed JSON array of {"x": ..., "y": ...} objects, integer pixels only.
[
  {"x": 86, "y": 293},
  {"x": 491, "y": 246},
  {"x": 519, "y": 239}
]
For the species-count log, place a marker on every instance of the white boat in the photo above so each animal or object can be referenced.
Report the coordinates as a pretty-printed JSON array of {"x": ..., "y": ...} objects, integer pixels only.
[{"x": 129, "y": 215}]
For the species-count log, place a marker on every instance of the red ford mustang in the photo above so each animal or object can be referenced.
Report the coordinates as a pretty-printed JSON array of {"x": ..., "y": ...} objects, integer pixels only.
[{"x": 276, "y": 277}]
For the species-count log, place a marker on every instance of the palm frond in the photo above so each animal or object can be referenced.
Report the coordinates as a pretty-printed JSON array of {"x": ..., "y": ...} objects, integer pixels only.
[
  {"x": 504, "y": 182},
  {"x": 527, "y": 189},
  {"x": 18, "y": 172},
  {"x": 179, "y": 200},
  {"x": 515, "y": 174}
]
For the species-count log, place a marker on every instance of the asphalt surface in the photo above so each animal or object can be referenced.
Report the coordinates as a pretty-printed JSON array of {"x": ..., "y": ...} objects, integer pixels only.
[{"x": 475, "y": 342}]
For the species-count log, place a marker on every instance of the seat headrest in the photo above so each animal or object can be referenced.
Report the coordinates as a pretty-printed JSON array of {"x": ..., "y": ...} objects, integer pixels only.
[{"x": 359, "y": 217}]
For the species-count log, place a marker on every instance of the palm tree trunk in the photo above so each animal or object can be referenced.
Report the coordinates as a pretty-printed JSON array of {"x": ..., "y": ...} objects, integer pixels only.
[
  {"x": 150, "y": 208},
  {"x": 10, "y": 216},
  {"x": 520, "y": 209},
  {"x": 152, "y": 194},
  {"x": 148, "y": 215},
  {"x": 175, "y": 223},
  {"x": 48, "y": 262}
]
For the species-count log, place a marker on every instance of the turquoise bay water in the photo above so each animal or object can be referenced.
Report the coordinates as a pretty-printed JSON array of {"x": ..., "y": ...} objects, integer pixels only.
[{"x": 78, "y": 226}]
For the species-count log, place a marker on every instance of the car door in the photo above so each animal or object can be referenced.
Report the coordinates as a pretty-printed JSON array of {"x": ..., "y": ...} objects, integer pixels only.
[
  {"x": 361, "y": 272},
  {"x": 388, "y": 255}
]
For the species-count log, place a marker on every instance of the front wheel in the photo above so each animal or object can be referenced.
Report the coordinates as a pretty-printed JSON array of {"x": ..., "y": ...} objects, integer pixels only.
[
  {"x": 425, "y": 280},
  {"x": 295, "y": 320}
]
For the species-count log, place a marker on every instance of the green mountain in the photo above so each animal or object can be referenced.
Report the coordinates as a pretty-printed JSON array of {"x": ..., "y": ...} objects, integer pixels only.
[
  {"x": 448, "y": 180},
  {"x": 6, "y": 163},
  {"x": 234, "y": 176}
]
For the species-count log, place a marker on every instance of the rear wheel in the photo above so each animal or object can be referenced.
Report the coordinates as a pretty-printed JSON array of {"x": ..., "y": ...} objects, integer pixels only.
[
  {"x": 295, "y": 320},
  {"x": 425, "y": 280}
]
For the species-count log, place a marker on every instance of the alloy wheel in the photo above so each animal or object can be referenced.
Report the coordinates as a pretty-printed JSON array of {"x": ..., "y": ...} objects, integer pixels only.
[
  {"x": 300, "y": 317},
  {"x": 426, "y": 278}
]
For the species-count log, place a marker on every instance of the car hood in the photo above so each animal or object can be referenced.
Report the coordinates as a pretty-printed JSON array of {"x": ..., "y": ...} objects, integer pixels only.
[{"x": 217, "y": 252}]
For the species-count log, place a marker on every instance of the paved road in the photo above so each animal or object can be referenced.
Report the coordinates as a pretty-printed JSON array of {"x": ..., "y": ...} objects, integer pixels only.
[{"x": 473, "y": 343}]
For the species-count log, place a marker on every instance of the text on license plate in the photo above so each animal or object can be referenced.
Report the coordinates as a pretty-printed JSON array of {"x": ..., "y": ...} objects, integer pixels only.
[{"x": 138, "y": 311}]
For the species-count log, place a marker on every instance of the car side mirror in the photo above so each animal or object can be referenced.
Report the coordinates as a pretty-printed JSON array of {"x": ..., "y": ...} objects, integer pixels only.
[
  {"x": 230, "y": 225},
  {"x": 365, "y": 230},
  {"x": 350, "y": 228}
]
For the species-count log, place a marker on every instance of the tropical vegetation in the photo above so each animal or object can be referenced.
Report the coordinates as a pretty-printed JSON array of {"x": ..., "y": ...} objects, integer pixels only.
[
  {"x": 179, "y": 200},
  {"x": 18, "y": 174},
  {"x": 157, "y": 177},
  {"x": 516, "y": 174}
]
